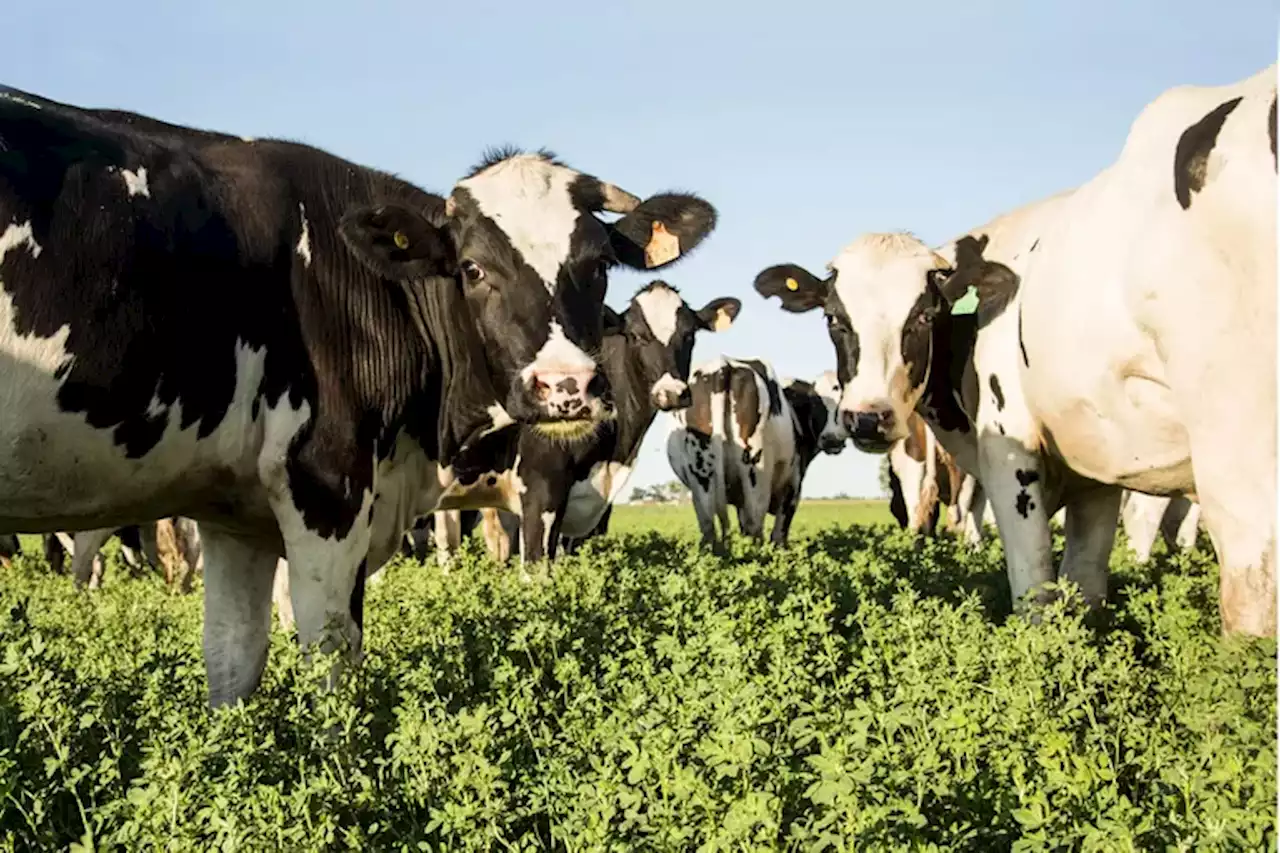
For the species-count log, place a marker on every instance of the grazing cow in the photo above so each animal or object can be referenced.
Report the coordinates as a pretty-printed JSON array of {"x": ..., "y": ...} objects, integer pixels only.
[
  {"x": 923, "y": 477},
  {"x": 561, "y": 489},
  {"x": 746, "y": 440},
  {"x": 1144, "y": 517},
  {"x": 338, "y": 372},
  {"x": 1120, "y": 335}
]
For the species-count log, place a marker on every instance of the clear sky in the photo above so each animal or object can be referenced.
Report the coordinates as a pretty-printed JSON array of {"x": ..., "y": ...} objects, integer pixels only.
[{"x": 805, "y": 123}]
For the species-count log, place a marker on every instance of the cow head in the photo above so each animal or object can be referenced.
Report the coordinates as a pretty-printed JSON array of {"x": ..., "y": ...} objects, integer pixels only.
[
  {"x": 817, "y": 406},
  {"x": 660, "y": 327},
  {"x": 882, "y": 297},
  {"x": 522, "y": 234}
]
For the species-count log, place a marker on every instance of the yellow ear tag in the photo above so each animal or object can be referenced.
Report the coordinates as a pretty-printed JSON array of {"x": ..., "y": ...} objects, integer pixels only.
[
  {"x": 401, "y": 239},
  {"x": 663, "y": 247},
  {"x": 792, "y": 284}
]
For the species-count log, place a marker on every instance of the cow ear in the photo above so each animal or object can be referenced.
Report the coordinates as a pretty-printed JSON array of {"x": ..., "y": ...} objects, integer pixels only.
[
  {"x": 614, "y": 323},
  {"x": 661, "y": 230},
  {"x": 797, "y": 288},
  {"x": 719, "y": 314},
  {"x": 398, "y": 242}
]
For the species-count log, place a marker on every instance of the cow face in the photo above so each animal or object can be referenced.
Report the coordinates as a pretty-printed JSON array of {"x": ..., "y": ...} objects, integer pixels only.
[
  {"x": 881, "y": 298},
  {"x": 660, "y": 328},
  {"x": 817, "y": 407},
  {"x": 522, "y": 235}
]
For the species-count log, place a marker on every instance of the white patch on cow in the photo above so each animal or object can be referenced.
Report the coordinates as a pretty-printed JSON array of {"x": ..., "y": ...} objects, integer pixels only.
[
  {"x": 46, "y": 355},
  {"x": 304, "y": 241},
  {"x": 558, "y": 355},
  {"x": 528, "y": 198},
  {"x": 156, "y": 408},
  {"x": 661, "y": 309},
  {"x": 136, "y": 182},
  {"x": 498, "y": 418},
  {"x": 669, "y": 384},
  {"x": 548, "y": 523},
  {"x": 589, "y": 498}
]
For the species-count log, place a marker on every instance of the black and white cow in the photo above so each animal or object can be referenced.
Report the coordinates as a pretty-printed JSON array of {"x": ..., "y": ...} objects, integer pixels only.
[
  {"x": 746, "y": 440},
  {"x": 292, "y": 349},
  {"x": 562, "y": 489},
  {"x": 1122, "y": 336}
]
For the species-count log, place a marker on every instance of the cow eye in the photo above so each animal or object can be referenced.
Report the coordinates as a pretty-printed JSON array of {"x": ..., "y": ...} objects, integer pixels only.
[{"x": 472, "y": 271}]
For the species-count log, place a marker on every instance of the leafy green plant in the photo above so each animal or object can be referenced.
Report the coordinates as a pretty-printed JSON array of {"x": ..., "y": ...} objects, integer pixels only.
[{"x": 854, "y": 692}]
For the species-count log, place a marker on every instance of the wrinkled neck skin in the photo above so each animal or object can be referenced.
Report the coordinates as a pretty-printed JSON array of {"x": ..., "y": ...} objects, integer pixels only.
[{"x": 637, "y": 411}]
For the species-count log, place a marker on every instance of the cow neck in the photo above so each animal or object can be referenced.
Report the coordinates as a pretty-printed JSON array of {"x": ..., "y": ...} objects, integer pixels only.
[
  {"x": 631, "y": 386},
  {"x": 953, "y": 340}
]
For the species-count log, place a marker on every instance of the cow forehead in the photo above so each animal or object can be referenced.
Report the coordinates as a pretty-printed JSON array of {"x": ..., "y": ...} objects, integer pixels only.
[
  {"x": 828, "y": 387},
  {"x": 879, "y": 277},
  {"x": 530, "y": 200},
  {"x": 661, "y": 309}
]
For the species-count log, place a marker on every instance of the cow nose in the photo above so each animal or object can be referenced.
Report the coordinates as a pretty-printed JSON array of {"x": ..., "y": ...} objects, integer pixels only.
[
  {"x": 671, "y": 393},
  {"x": 563, "y": 393},
  {"x": 868, "y": 424}
]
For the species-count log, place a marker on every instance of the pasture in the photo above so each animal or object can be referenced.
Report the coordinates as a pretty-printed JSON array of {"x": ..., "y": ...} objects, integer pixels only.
[{"x": 850, "y": 693}]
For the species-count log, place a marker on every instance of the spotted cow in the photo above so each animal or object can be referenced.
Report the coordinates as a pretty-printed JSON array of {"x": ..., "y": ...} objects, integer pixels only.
[
  {"x": 1118, "y": 335},
  {"x": 746, "y": 440},
  {"x": 355, "y": 336},
  {"x": 560, "y": 489}
]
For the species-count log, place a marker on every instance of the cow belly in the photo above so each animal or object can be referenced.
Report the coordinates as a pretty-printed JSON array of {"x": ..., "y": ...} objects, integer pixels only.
[
  {"x": 61, "y": 472},
  {"x": 588, "y": 499}
]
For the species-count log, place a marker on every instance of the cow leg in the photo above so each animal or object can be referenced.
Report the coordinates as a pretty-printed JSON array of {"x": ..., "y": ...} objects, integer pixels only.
[
  {"x": 237, "y": 614},
  {"x": 86, "y": 559},
  {"x": 975, "y": 504},
  {"x": 787, "y": 505},
  {"x": 1014, "y": 482},
  {"x": 187, "y": 538},
  {"x": 1091, "y": 533},
  {"x": 9, "y": 548},
  {"x": 1179, "y": 523},
  {"x": 448, "y": 536},
  {"x": 1141, "y": 516},
  {"x": 280, "y": 594},
  {"x": 497, "y": 538},
  {"x": 132, "y": 552},
  {"x": 54, "y": 553}
]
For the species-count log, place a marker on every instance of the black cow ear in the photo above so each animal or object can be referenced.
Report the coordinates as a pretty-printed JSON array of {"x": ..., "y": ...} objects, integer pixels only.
[
  {"x": 614, "y": 323},
  {"x": 661, "y": 230},
  {"x": 797, "y": 288},
  {"x": 398, "y": 242},
  {"x": 719, "y": 314}
]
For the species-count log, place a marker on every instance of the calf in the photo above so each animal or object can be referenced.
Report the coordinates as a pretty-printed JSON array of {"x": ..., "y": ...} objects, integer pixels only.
[
  {"x": 1089, "y": 343},
  {"x": 746, "y": 440},
  {"x": 923, "y": 477},
  {"x": 562, "y": 489},
  {"x": 357, "y": 336}
]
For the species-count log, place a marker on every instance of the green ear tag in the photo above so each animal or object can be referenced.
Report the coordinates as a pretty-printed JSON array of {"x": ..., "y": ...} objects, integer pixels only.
[{"x": 967, "y": 304}]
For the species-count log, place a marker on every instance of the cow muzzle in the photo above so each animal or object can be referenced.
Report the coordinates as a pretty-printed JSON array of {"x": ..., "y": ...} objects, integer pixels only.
[
  {"x": 670, "y": 393},
  {"x": 567, "y": 403},
  {"x": 871, "y": 430}
]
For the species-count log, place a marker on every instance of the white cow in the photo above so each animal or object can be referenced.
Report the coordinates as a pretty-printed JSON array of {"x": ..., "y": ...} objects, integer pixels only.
[
  {"x": 746, "y": 440},
  {"x": 923, "y": 477},
  {"x": 1121, "y": 335},
  {"x": 1144, "y": 517}
]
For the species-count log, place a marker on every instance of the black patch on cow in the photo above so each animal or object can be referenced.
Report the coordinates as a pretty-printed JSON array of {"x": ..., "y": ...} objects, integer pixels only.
[
  {"x": 1271, "y": 133},
  {"x": 1035, "y": 244},
  {"x": 897, "y": 502},
  {"x": 1022, "y": 347},
  {"x": 762, "y": 370},
  {"x": 996, "y": 392},
  {"x": 701, "y": 468},
  {"x": 1024, "y": 504},
  {"x": 953, "y": 341},
  {"x": 1026, "y": 477},
  {"x": 810, "y": 418},
  {"x": 357, "y": 596},
  {"x": 1000, "y": 428},
  {"x": 917, "y": 336},
  {"x": 1191, "y": 157}
]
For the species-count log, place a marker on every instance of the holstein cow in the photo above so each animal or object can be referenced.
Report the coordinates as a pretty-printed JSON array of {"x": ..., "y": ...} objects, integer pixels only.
[
  {"x": 1081, "y": 345},
  {"x": 924, "y": 477},
  {"x": 1144, "y": 517},
  {"x": 746, "y": 440},
  {"x": 562, "y": 488},
  {"x": 337, "y": 373}
]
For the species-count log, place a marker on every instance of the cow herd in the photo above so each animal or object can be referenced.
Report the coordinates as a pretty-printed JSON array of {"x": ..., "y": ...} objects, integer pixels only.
[{"x": 307, "y": 358}]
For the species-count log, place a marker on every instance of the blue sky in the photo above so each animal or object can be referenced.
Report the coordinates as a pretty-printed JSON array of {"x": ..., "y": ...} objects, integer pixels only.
[{"x": 804, "y": 123}]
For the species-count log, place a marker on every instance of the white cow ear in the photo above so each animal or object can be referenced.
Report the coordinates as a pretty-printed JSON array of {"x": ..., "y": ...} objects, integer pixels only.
[{"x": 719, "y": 314}]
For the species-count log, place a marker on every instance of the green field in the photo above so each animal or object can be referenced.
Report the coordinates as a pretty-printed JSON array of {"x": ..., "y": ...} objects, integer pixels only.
[
  {"x": 814, "y": 515},
  {"x": 854, "y": 692}
]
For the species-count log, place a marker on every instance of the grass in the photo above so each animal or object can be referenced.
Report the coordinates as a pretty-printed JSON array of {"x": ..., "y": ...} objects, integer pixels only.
[
  {"x": 853, "y": 692},
  {"x": 812, "y": 516}
]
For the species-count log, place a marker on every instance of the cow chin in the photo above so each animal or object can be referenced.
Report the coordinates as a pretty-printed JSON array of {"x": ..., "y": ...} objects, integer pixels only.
[{"x": 567, "y": 432}]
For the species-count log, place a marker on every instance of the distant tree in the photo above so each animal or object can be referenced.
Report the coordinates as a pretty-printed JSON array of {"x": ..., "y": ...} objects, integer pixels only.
[
  {"x": 885, "y": 489},
  {"x": 639, "y": 495},
  {"x": 842, "y": 496}
]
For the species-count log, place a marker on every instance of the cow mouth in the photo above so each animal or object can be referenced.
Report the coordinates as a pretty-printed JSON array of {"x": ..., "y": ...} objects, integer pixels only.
[
  {"x": 872, "y": 445},
  {"x": 831, "y": 446},
  {"x": 567, "y": 432}
]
